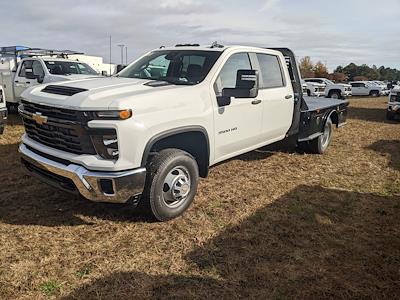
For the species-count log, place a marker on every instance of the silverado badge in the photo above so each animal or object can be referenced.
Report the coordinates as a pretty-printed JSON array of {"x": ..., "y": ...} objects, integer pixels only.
[{"x": 39, "y": 118}]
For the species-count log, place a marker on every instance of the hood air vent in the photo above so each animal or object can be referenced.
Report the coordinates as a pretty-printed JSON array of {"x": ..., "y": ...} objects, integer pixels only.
[{"x": 62, "y": 90}]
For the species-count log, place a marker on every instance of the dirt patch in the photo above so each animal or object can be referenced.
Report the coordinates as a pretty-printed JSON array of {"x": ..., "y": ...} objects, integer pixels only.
[{"x": 264, "y": 225}]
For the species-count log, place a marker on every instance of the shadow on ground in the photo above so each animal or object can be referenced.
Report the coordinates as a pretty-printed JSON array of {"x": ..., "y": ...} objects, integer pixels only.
[
  {"x": 25, "y": 200},
  {"x": 313, "y": 243},
  {"x": 391, "y": 148},
  {"x": 368, "y": 114}
]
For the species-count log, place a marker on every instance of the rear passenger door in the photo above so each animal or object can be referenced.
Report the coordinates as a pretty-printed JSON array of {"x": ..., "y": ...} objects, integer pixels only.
[{"x": 276, "y": 94}]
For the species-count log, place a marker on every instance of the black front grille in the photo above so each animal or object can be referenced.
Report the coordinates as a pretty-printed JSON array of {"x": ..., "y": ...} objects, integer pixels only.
[
  {"x": 52, "y": 112},
  {"x": 62, "y": 90},
  {"x": 64, "y": 130}
]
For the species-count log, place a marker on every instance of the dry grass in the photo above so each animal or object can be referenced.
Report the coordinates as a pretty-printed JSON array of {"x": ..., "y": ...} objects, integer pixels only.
[{"x": 264, "y": 225}]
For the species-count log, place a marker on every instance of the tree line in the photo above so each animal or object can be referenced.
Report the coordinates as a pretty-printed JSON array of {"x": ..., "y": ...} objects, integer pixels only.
[{"x": 351, "y": 72}]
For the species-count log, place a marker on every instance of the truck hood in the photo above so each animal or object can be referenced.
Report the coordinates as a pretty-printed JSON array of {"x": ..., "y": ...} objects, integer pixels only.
[
  {"x": 99, "y": 93},
  {"x": 74, "y": 77}
]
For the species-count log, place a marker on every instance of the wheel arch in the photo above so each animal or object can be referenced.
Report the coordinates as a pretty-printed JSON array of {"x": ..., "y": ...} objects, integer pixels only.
[
  {"x": 333, "y": 115},
  {"x": 192, "y": 139},
  {"x": 339, "y": 91}
]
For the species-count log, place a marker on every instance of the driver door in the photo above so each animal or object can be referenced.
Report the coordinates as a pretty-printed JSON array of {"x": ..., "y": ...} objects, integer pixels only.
[
  {"x": 25, "y": 77},
  {"x": 238, "y": 125}
]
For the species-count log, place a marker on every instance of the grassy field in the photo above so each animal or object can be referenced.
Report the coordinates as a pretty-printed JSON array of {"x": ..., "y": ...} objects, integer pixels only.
[{"x": 270, "y": 225}]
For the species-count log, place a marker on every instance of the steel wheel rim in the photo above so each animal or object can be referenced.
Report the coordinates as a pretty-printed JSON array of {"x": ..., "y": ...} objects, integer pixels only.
[
  {"x": 176, "y": 186},
  {"x": 335, "y": 96},
  {"x": 326, "y": 135}
]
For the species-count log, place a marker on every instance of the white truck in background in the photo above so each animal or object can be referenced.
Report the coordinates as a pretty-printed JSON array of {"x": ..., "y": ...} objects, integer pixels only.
[
  {"x": 26, "y": 68},
  {"x": 3, "y": 111},
  {"x": 393, "y": 110},
  {"x": 315, "y": 89},
  {"x": 366, "y": 88},
  {"x": 333, "y": 90}
]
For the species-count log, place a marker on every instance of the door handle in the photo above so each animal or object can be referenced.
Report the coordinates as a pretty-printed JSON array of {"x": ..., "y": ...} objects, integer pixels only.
[
  {"x": 288, "y": 97},
  {"x": 28, "y": 82},
  {"x": 255, "y": 102},
  {"x": 16, "y": 81}
]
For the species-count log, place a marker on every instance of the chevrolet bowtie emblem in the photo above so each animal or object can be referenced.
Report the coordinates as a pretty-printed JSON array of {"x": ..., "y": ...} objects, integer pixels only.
[{"x": 39, "y": 118}]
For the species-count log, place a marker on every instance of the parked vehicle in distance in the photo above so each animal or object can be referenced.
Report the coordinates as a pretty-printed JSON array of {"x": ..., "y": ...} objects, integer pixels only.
[
  {"x": 38, "y": 70},
  {"x": 146, "y": 137},
  {"x": 384, "y": 86},
  {"x": 315, "y": 89},
  {"x": 366, "y": 88},
  {"x": 3, "y": 110},
  {"x": 393, "y": 111},
  {"x": 333, "y": 90}
]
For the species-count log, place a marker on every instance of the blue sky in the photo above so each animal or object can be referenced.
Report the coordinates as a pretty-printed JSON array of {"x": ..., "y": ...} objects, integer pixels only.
[{"x": 335, "y": 32}]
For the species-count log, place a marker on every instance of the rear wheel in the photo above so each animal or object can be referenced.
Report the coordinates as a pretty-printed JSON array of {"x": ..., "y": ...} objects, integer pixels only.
[
  {"x": 374, "y": 94},
  {"x": 321, "y": 143},
  {"x": 335, "y": 95},
  {"x": 171, "y": 184}
]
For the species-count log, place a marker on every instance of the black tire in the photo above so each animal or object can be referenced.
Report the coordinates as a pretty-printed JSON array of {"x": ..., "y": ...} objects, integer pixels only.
[
  {"x": 321, "y": 143},
  {"x": 335, "y": 95},
  {"x": 374, "y": 93},
  {"x": 171, "y": 184}
]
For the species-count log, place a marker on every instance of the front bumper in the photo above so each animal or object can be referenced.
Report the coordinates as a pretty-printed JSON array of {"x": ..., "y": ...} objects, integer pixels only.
[
  {"x": 3, "y": 118},
  {"x": 114, "y": 187}
]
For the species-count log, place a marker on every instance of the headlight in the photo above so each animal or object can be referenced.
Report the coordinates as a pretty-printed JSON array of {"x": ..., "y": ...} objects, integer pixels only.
[
  {"x": 109, "y": 114},
  {"x": 106, "y": 145}
]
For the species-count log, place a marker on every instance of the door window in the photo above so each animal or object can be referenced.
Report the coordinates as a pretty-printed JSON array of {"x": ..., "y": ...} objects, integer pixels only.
[
  {"x": 271, "y": 71},
  {"x": 228, "y": 74},
  {"x": 26, "y": 69}
]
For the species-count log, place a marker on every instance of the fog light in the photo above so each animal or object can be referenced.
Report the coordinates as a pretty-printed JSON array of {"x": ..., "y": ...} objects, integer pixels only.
[{"x": 106, "y": 146}]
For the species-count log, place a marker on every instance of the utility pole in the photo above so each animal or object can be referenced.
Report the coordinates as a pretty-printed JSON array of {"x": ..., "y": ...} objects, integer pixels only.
[
  {"x": 122, "y": 53},
  {"x": 110, "y": 57},
  {"x": 126, "y": 55}
]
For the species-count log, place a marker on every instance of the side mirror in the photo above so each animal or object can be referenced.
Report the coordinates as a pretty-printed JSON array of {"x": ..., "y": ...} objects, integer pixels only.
[
  {"x": 120, "y": 68},
  {"x": 104, "y": 73},
  {"x": 246, "y": 85},
  {"x": 39, "y": 78}
]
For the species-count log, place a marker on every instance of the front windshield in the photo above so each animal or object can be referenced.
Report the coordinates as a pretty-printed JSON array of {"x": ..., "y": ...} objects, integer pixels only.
[
  {"x": 328, "y": 81},
  {"x": 187, "y": 67},
  {"x": 68, "y": 68}
]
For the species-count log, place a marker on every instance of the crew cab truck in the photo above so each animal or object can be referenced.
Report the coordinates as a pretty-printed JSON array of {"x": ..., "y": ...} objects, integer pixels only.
[
  {"x": 3, "y": 111},
  {"x": 393, "y": 110},
  {"x": 30, "y": 71},
  {"x": 147, "y": 135},
  {"x": 333, "y": 90},
  {"x": 366, "y": 88}
]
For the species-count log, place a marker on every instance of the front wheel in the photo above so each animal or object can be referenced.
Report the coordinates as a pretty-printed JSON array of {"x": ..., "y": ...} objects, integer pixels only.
[
  {"x": 335, "y": 95},
  {"x": 375, "y": 94},
  {"x": 321, "y": 143},
  {"x": 171, "y": 184}
]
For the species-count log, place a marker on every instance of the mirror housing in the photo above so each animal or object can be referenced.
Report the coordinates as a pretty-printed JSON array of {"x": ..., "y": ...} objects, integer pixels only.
[
  {"x": 246, "y": 85},
  {"x": 104, "y": 73},
  {"x": 39, "y": 78}
]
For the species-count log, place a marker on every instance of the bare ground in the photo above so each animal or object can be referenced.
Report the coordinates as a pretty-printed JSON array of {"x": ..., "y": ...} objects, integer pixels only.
[{"x": 264, "y": 225}]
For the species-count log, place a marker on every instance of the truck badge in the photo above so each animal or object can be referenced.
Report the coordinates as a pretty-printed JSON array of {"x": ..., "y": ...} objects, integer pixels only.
[{"x": 38, "y": 118}]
